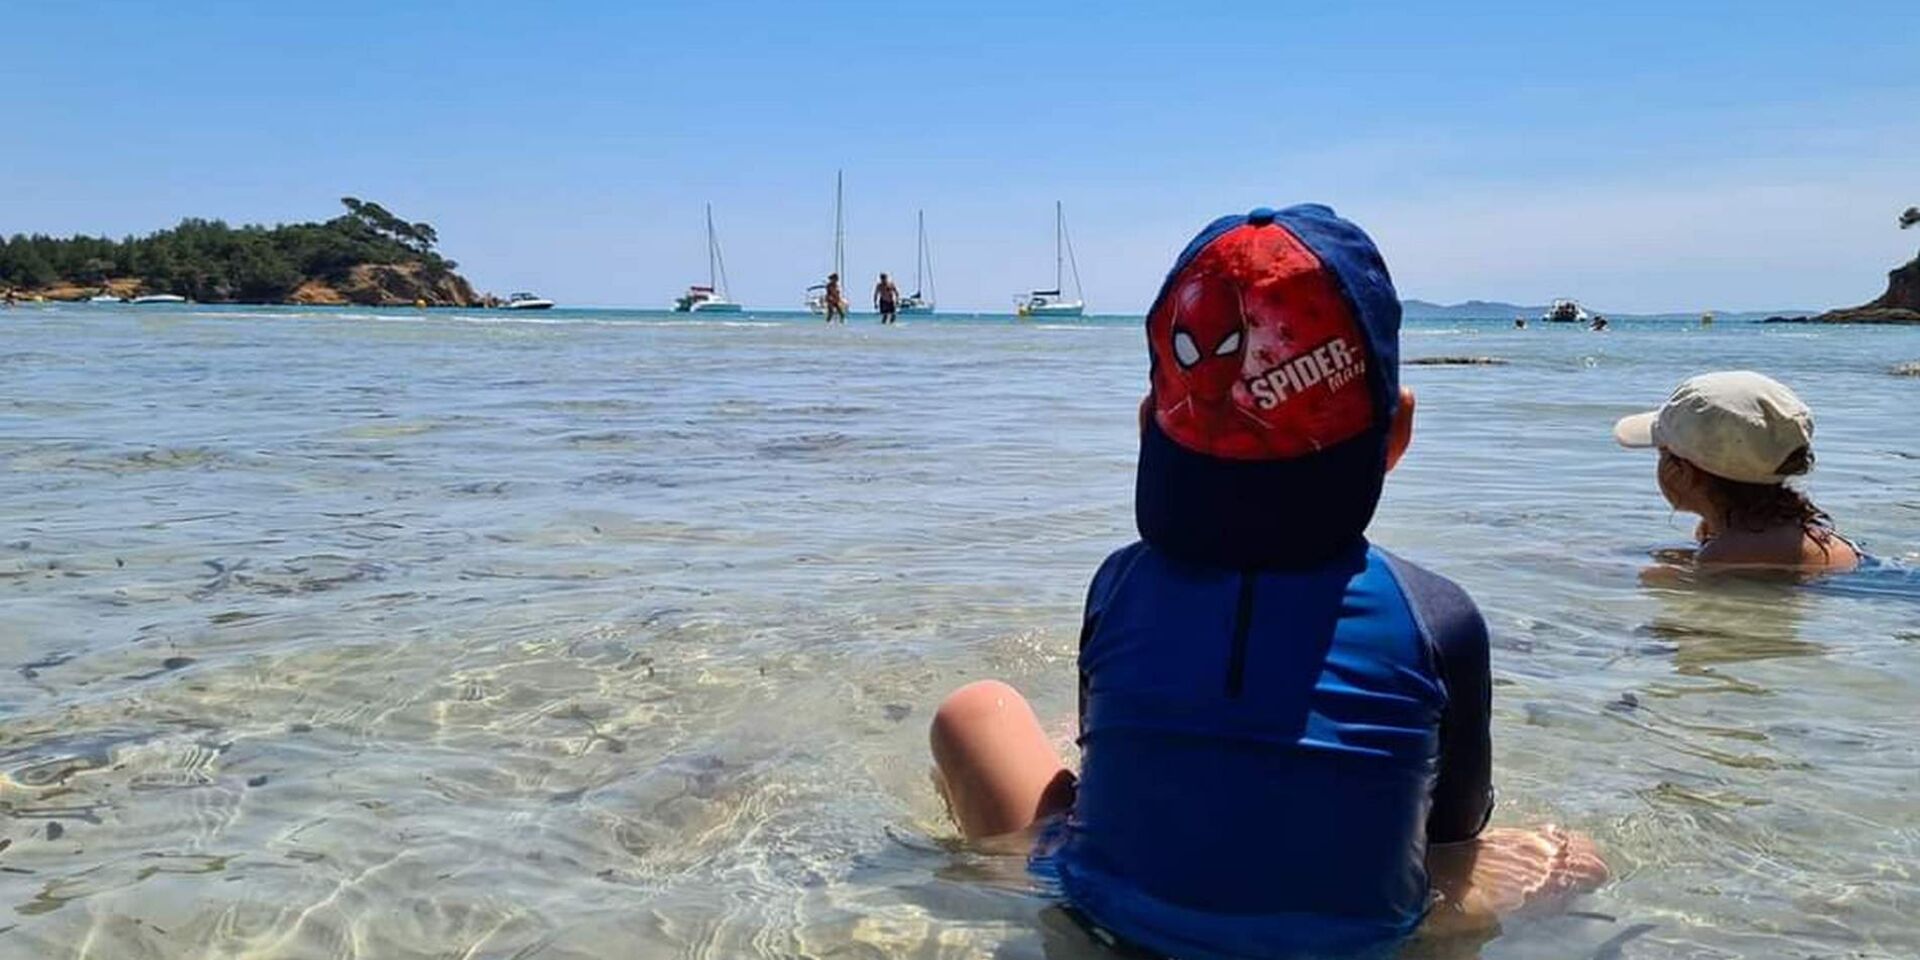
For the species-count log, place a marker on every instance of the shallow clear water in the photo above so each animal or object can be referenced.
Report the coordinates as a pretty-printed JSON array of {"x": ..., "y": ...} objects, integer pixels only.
[{"x": 350, "y": 634}]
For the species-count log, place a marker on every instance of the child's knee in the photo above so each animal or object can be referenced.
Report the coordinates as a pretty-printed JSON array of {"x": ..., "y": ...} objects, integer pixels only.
[{"x": 971, "y": 706}]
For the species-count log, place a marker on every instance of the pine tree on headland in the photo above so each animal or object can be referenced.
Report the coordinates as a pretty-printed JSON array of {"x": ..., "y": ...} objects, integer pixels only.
[{"x": 419, "y": 236}]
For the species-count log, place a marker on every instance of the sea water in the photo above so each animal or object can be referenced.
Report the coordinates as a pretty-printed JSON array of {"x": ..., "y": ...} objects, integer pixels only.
[{"x": 337, "y": 633}]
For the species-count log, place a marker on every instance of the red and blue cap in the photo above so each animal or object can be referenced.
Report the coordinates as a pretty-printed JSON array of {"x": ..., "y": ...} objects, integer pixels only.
[{"x": 1275, "y": 348}]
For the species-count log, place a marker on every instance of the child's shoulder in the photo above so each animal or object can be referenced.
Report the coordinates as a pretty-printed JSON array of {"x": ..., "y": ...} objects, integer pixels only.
[
  {"x": 1413, "y": 576},
  {"x": 1114, "y": 569},
  {"x": 1806, "y": 551},
  {"x": 1440, "y": 605}
]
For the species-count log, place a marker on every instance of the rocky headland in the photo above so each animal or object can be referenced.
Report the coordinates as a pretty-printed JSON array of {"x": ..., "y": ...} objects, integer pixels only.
[
  {"x": 1900, "y": 304},
  {"x": 366, "y": 257}
]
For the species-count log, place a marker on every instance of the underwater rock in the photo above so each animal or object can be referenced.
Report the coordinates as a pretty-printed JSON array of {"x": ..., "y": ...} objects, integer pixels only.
[{"x": 1455, "y": 362}]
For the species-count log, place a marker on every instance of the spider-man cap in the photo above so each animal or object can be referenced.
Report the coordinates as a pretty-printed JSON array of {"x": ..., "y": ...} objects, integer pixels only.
[{"x": 1275, "y": 356}]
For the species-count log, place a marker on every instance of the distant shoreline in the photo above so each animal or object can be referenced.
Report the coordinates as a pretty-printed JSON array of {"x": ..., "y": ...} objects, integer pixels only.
[{"x": 800, "y": 315}]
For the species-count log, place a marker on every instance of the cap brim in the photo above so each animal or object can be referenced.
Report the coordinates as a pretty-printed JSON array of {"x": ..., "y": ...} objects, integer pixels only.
[{"x": 1637, "y": 430}]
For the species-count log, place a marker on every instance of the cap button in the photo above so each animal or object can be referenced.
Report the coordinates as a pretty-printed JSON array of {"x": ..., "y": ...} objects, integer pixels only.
[{"x": 1260, "y": 216}]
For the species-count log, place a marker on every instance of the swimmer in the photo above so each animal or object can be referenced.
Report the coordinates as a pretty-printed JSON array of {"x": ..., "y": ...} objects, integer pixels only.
[
  {"x": 1284, "y": 729},
  {"x": 1729, "y": 443},
  {"x": 1519, "y": 323}
]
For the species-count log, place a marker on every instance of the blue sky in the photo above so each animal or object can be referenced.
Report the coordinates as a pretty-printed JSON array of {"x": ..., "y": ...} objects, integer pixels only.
[{"x": 1641, "y": 156}]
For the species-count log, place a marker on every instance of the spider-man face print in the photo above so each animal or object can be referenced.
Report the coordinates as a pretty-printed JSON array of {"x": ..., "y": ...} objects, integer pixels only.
[
  {"x": 1256, "y": 353},
  {"x": 1208, "y": 341}
]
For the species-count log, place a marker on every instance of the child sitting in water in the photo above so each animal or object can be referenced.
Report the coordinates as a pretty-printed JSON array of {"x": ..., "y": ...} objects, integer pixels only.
[
  {"x": 1284, "y": 729},
  {"x": 1728, "y": 444}
]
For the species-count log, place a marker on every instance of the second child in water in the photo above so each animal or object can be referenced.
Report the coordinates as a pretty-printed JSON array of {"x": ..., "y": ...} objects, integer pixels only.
[
  {"x": 1284, "y": 728},
  {"x": 1729, "y": 444}
]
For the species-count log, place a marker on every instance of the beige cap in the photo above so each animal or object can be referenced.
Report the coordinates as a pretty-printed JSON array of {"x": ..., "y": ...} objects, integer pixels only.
[{"x": 1735, "y": 424}]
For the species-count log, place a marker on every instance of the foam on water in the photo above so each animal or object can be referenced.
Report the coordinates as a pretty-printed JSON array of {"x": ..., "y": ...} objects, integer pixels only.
[{"x": 349, "y": 633}]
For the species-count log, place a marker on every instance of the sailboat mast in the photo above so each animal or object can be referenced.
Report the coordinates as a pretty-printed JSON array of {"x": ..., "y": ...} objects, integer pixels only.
[
  {"x": 1059, "y": 243},
  {"x": 1072, "y": 262},
  {"x": 920, "y": 255},
  {"x": 713, "y": 270},
  {"x": 839, "y": 225}
]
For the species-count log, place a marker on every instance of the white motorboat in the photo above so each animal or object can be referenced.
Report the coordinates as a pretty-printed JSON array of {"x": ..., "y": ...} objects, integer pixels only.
[
  {"x": 1566, "y": 311},
  {"x": 526, "y": 301},
  {"x": 106, "y": 298},
  {"x": 1054, "y": 303},
  {"x": 159, "y": 298},
  {"x": 711, "y": 298},
  {"x": 816, "y": 298},
  {"x": 920, "y": 301}
]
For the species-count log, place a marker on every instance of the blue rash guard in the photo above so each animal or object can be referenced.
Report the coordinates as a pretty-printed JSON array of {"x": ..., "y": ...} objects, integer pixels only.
[{"x": 1267, "y": 754}]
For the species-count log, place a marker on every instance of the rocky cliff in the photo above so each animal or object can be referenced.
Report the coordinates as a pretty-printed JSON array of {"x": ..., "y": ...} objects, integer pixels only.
[
  {"x": 389, "y": 285},
  {"x": 1900, "y": 304}
]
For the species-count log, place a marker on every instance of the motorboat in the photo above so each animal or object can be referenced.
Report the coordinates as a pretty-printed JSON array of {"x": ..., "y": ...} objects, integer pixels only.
[
  {"x": 1054, "y": 303},
  {"x": 711, "y": 298},
  {"x": 527, "y": 301},
  {"x": 106, "y": 298},
  {"x": 1566, "y": 311},
  {"x": 159, "y": 298}
]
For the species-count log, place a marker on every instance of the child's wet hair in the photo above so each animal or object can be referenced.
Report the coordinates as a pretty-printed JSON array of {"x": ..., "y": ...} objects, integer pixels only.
[{"x": 1757, "y": 507}]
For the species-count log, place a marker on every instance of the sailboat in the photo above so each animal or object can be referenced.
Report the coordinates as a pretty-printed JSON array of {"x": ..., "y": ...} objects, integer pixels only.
[
  {"x": 921, "y": 300},
  {"x": 817, "y": 294},
  {"x": 1053, "y": 303},
  {"x": 711, "y": 298}
]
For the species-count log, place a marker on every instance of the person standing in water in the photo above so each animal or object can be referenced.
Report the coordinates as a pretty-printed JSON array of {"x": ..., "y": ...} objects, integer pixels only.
[
  {"x": 886, "y": 299},
  {"x": 836, "y": 301}
]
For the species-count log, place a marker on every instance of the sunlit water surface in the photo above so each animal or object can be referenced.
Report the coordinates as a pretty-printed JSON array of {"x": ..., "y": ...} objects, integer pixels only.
[{"x": 337, "y": 634}]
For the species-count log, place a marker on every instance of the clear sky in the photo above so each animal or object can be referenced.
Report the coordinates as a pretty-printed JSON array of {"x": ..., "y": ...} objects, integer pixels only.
[{"x": 1640, "y": 156}]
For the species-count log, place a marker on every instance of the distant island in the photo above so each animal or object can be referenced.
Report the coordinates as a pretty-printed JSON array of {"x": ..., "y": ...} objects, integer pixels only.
[
  {"x": 1467, "y": 310},
  {"x": 366, "y": 256}
]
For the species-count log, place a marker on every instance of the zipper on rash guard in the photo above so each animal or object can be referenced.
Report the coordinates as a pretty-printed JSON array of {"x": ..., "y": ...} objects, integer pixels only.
[{"x": 1242, "y": 623}]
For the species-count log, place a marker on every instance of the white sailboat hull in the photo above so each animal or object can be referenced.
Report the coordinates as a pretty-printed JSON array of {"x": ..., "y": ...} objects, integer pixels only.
[
  {"x": 817, "y": 300},
  {"x": 1067, "y": 308},
  {"x": 714, "y": 306}
]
